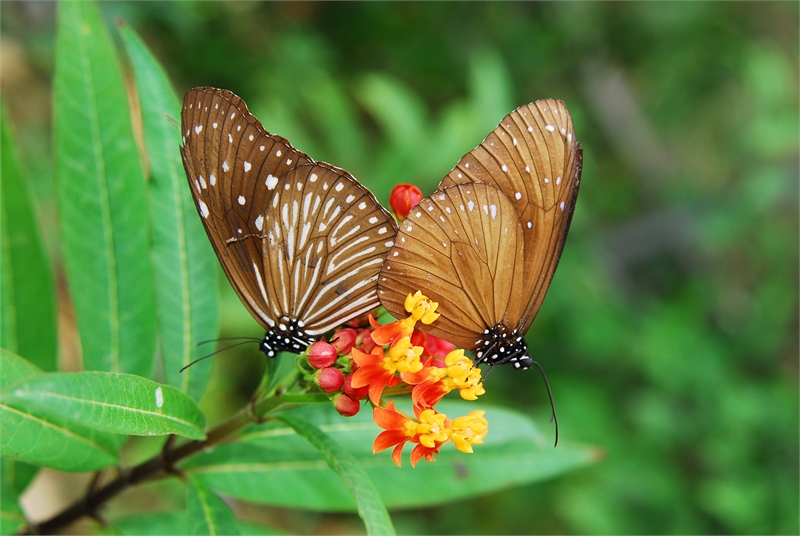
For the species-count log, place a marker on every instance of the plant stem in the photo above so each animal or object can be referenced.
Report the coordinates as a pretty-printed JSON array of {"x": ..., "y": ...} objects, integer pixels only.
[{"x": 159, "y": 466}]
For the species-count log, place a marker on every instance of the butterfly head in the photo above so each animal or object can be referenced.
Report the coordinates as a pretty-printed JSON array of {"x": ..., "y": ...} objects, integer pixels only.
[
  {"x": 286, "y": 336},
  {"x": 500, "y": 345}
]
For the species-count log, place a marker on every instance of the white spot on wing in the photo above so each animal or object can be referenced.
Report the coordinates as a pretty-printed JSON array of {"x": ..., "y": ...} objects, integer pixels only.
[
  {"x": 550, "y": 128},
  {"x": 247, "y": 166},
  {"x": 271, "y": 182},
  {"x": 260, "y": 222},
  {"x": 203, "y": 209},
  {"x": 241, "y": 200},
  {"x": 225, "y": 167},
  {"x": 198, "y": 128}
]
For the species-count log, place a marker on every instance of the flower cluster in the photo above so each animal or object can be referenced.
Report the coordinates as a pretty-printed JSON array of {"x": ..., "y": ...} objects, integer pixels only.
[{"x": 398, "y": 358}]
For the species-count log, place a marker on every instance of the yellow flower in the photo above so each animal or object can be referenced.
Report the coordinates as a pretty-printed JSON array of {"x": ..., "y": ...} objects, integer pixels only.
[
  {"x": 405, "y": 356},
  {"x": 421, "y": 308},
  {"x": 462, "y": 375},
  {"x": 431, "y": 428},
  {"x": 468, "y": 430}
]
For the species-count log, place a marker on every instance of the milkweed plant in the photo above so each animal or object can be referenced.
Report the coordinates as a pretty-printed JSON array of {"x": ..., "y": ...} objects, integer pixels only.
[{"x": 141, "y": 277}]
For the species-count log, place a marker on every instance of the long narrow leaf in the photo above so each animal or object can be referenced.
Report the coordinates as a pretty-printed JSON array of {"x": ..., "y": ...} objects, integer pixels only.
[
  {"x": 370, "y": 506},
  {"x": 184, "y": 263},
  {"x": 11, "y": 517},
  {"x": 27, "y": 298},
  {"x": 31, "y": 435},
  {"x": 271, "y": 464},
  {"x": 102, "y": 198},
  {"x": 111, "y": 402},
  {"x": 207, "y": 513}
]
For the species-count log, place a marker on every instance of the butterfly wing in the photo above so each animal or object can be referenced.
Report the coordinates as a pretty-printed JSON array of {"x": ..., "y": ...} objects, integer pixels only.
[
  {"x": 534, "y": 159},
  {"x": 463, "y": 248},
  {"x": 324, "y": 237},
  {"x": 230, "y": 161}
]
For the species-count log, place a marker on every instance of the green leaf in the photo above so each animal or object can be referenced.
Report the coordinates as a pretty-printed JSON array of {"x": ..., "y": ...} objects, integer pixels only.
[
  {"x": 11, "y": 517},
  {"x": 174, "y": 523},
  {"x": 102, "y": 198},
  {"x": 271, "y": 464},
  {"x": 165, "y": 523},
  {"x": 490, "y": 88},
  {"x": 27, "y": 298},
  {"x": 185, "y": 266},
  {"x": 112, "y": 402},
  {"x": 33, "y": 436},
  {"x": 14, "y": 368},
  {"x": 207, "y": 513},
  {"x": 17, "y": 475},
  {"x": 370, "y": 507}
]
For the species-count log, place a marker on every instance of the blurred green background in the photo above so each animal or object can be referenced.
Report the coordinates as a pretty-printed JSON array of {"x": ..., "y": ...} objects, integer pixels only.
[{"x": 670, "y": 332}]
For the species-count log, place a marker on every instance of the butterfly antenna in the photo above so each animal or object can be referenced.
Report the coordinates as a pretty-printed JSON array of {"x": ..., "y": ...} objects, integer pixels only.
[
  {"x": 218, "y": 351},
  {"x": 552, "y": 403}
]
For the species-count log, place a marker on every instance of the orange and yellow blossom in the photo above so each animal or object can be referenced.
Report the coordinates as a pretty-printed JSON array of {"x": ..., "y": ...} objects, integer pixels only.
[
  {"x": 374, "y": 370},
  {"x": 421, "y": 309},
  {"x": 433, "y": 368},
  {"x": 429, "y": 431}
]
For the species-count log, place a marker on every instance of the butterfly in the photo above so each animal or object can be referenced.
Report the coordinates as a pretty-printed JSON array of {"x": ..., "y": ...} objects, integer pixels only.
[
  {"x": 302, "y": 242},
  {"x": 486, "y": 243}
]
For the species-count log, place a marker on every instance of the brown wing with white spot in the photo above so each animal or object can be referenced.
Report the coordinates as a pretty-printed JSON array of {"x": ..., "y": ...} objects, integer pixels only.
[
  {"x": 324, "y": 239},
  {"x": 462, "y": 247},
  {"x": 534, "y": 159},
  {"x": 233, "y": 165}
]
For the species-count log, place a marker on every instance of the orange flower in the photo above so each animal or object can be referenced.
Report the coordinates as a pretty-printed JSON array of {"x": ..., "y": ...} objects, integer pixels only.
[
  {"x": 374, "y": 370},
  {"x": 429, "y": 430}
]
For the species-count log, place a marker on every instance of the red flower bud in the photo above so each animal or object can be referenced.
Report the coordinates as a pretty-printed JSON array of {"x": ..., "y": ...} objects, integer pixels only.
[
  {"x": 329, "y": 379},
  {"x": 345, "y": 405},
  {"x": 344, "y": 340},
  {"x": 434, "y": 346},
  {"x": 356, "y": 394},
  {"x": 364, "y": 340},
  {"x": 321, "y": 355},
  {"x": 404, "y": 197}
]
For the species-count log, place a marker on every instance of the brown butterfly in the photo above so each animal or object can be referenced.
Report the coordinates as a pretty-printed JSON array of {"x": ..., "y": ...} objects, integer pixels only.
[
  {"x": 302, "y": 242},
  {"x": 485, "y": 245}
]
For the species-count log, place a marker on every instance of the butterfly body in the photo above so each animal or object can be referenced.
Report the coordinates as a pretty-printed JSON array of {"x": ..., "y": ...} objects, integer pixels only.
[
  {"x": 301, "y": 241},
  {"x": 486, "y": 243}
]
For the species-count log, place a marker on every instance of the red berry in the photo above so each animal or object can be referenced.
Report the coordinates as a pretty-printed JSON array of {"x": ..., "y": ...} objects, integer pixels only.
[
  {"x": 356, "y": 394},
  {"x": 345, "y": 405},
  {"x": 364, "y": 340},
  {"x": 329, "y": 379},
  {"x": 344, "y": 340},
  {"x": 321, "y": 355}
]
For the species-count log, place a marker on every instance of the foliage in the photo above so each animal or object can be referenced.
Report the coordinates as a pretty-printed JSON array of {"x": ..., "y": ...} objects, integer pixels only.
[{"x": 670, "y": 331}]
